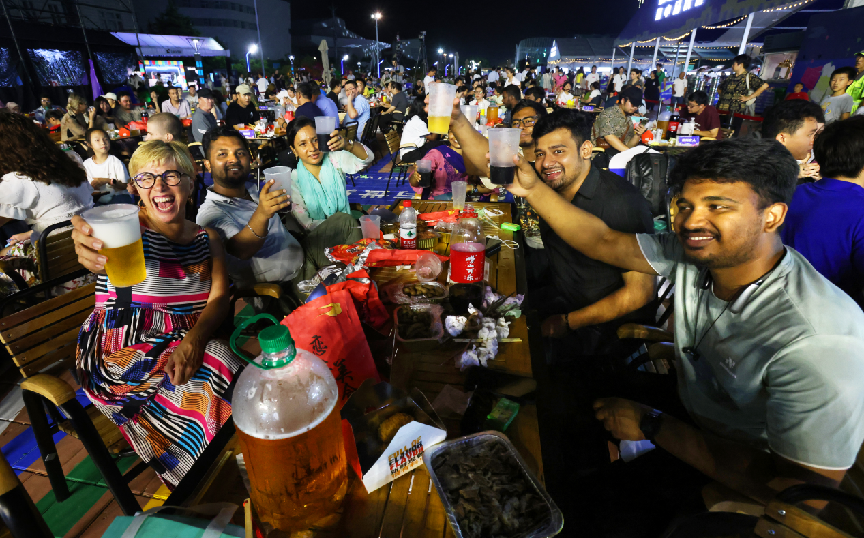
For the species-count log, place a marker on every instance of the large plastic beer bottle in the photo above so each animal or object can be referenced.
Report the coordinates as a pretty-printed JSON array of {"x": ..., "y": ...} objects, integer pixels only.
[{"x": 286, "y": 411}]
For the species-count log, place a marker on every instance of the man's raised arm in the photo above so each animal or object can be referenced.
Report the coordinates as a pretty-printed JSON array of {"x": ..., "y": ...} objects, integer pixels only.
[
  {"x": 474, "y": 145},
  {"x": 580, "y": 229}
]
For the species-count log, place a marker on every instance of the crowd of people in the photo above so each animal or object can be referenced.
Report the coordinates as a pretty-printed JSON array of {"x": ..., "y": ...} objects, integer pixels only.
[{"x": 765, "y": 251}]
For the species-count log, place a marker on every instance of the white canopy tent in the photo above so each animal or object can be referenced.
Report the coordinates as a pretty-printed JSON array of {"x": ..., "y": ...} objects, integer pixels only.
[{"x": 151, "y": 45}]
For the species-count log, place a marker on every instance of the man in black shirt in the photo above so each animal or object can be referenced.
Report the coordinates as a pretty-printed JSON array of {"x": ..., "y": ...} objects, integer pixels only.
[
  {"x": 398, "y": 107},
  {"x": 243, "y": 111},
  {"x": 586, "y": 300},
  {"x": 306, "y": 102},
  {"x": 335, "y": 90}
]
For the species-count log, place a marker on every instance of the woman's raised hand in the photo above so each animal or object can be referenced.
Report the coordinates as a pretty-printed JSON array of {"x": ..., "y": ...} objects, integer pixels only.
[{"x": 336, "y": 142}]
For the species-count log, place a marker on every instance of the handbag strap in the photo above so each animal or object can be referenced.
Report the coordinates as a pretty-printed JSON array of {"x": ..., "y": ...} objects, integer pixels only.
[{"x": 213, "y": 530}]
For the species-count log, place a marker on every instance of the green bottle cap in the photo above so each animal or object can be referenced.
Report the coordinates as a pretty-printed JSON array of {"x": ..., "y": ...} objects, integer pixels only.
[{"x": 275, "y": 339}]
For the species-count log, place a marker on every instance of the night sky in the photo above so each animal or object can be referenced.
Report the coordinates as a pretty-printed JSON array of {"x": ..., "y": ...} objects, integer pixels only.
[{"x": 484, "y": 30}]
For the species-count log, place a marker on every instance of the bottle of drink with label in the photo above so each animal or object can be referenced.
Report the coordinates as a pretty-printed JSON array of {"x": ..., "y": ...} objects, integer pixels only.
[
  {"x": 674, "y": 122},
  {"x": 408, "y": 226},
  {"x": 286, "y": 409}
]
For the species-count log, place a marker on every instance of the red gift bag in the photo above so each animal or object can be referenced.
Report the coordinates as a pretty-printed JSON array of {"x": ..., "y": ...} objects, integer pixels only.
[
  {"x": 329, "y": 328},
  {"x": 369, "y": 305}
]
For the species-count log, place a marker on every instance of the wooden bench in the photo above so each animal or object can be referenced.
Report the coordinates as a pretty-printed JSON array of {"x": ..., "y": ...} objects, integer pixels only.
[{"x": 42, "y": 341}]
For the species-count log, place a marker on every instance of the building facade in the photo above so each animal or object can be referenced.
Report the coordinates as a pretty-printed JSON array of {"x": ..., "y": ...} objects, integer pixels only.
[{"x": 233, "y": 22}]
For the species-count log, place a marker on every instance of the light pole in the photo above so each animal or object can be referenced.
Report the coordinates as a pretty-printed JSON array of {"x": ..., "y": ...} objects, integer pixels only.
[
  {"x": 343, "y": 63},
  {"x": 377, "y": 17},
  {"x": 449, "y": 63},
  {"x": 253, "y": 48},
  {"x": 292, "y": 64}
]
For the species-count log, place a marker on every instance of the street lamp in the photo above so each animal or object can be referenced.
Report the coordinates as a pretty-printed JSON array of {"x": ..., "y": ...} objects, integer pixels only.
[
  {"x": 292, "y": 64},
  {"x": 377, "y": 17},
  {"x": 199, "y": 67},
  {"x": 343, "y": 63},
  {"x": 253, "y": 48}
]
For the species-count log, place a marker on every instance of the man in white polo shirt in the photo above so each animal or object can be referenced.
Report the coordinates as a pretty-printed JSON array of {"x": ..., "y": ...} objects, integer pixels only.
[
  {"x": 770, "y": 354},
  {"x": 174, "y": 105}
]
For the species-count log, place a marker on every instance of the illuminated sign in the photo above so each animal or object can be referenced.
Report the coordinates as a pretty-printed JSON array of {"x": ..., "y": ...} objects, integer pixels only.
[{"x": 669, "y": 8}]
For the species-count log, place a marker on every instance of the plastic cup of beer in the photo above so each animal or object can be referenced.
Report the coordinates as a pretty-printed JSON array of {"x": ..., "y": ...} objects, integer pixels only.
[
  {"x": 458, "y": 188},
  {"x": 424, "y": 168},
  {"x": 117, "y": 226},
  {"x": 324, "y": 125},
  {"x": 503, "y": 146},
  {"x": 440, "y": 107},
  {"x": 470, "y": 112},
  {"x": 281, "y": 176},
  {"x": 370, "y": 225}
]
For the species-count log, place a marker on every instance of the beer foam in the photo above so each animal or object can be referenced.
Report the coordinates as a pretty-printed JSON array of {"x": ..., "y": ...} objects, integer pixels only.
[{"x": 118, "y": 233}]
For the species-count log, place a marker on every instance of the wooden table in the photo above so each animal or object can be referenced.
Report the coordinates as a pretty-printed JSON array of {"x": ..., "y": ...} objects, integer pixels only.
[{"x": 409, "y": 507}]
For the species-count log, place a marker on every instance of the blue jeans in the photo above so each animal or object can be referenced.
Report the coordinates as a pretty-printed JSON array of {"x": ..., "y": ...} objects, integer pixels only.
[{"x": 678, "y": 101}]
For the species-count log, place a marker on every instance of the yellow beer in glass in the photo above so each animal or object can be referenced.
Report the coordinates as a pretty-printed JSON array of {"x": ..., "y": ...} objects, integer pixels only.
[
  {"x": 118, "y": 228},
  {"x": 441, "y": 98}
]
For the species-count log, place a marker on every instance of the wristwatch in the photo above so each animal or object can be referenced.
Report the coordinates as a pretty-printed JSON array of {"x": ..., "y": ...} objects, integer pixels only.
[{"x": 650, "y": 424}]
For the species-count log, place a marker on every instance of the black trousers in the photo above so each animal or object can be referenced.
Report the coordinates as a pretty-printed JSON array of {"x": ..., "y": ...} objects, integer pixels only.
[{"x": 602, "y": 499}]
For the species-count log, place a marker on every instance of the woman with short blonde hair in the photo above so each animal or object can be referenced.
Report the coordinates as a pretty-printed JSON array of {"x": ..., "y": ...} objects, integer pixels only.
[
  {"x": 147, "y": 355},
  {"x": 77, "y": 119}
]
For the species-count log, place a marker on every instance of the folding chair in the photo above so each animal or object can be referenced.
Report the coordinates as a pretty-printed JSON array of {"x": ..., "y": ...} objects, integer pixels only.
[{"x": 392, "y": 138}]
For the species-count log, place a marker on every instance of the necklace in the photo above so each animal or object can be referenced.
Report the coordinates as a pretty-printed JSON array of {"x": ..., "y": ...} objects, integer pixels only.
[{"x": 692, "y": 351}]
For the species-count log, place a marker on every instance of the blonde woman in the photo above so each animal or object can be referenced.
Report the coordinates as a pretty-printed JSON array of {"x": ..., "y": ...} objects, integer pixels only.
[
  {"x": 147, "y": 357},
  {"x": 78, "y": 119}
]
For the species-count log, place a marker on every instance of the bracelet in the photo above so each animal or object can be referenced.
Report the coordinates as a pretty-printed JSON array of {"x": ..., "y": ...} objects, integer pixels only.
[{"x": 253, "y": 232}]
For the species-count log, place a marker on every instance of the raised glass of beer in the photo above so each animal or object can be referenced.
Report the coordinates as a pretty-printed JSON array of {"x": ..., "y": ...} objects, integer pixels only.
[
  {"x": 118, "y": 228},
  {"x": 441, "y": 98}
]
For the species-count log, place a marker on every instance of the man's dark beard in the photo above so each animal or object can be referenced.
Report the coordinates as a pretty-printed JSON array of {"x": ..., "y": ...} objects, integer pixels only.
[{"x": 224, "y": 180}]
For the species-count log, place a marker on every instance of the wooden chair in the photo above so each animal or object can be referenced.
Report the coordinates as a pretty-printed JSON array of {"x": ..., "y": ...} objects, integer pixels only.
[
  {"x": 42, "y": 341},
  {"x": 392, "y": 138},
  {"x": 55, "y": 253},
  {"x": 782, "y": 518},
  {"x": 350, "y": 130},
  {"x": 20, "y": 516}
]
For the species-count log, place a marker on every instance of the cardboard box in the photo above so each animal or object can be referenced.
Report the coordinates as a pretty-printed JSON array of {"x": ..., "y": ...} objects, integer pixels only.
[{"x": 363, "y": 414}]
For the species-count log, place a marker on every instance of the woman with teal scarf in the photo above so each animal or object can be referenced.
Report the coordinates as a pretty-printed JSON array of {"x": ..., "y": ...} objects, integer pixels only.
[
  {"x": 318, "y": 193},
  {"x": 318, "y": 183}
]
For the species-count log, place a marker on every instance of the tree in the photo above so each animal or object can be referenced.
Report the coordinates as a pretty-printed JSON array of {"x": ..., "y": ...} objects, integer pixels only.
[{"x": 172, "y": 22}]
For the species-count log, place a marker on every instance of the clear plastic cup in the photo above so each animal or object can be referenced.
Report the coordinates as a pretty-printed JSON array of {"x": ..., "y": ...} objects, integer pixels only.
[
  {"x": 458, "y": 188},
  {"x": 470, "y": 112},
  {"x": 424, "y": 168},
  {"x": 427, "y": 267},
  {"x": 282, "y": 177},
  {"x": 441, "y": 98},
  {"x": 118, "y": 228},
  {"x": 370, "y": 225},
  {"x": 324, "y": 125},
  {"x": 503, "y": 146}
]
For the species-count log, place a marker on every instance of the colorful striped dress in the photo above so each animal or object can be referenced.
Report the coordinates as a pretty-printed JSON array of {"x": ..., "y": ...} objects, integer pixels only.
[{"x": 124, "y": 345}]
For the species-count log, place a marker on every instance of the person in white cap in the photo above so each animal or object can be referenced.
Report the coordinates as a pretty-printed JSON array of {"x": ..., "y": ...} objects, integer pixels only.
[
  {"x": 243, "y": 111},
  {"x": 112, "y": 99}
]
